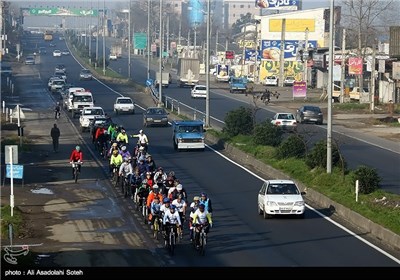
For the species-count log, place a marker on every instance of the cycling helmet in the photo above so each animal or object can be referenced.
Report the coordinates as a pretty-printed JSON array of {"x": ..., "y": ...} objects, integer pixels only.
[
  {"x": 141, "y": 148},
  {"x": 155, "y": 188},
  {"x": 141, "y": 158},
  {"x": 148, "y": 156},
  {"x": 123, "y": 148},
  {"x": 78, "y": 148},
  {"x": 160, "y": 169},
  {"x": 123, "y": 131},
  {"x": 115, "y": 152},
  {"x": 166, "y": 200},
  {"x": 202, "y": 206},
  {"x": 115, "y": 144},
  {"x": 179, "y": 187},
  {"x": 180, "y": 196},
  {"x": 172, "y": 207},
  {"x": 148, "y": 173},
  {"x": 128, "y": 159},
  {"x": 203, "y": 194},
  {"x": 169, "y": 178},
  {"x": 141, "y": 131},
  {"x": 196, "y": 198},
  {"x": 171, "y": 174}
]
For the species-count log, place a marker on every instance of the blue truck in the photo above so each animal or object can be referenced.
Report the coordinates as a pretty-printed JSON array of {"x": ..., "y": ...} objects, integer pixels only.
[
  {"x": 187, "y": 135},
  {"x": 237, "y": 84}
]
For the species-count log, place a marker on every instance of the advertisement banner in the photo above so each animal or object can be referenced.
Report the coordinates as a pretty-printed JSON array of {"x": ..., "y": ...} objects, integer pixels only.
[
  {"x": 271, "y": 49},
  {"x": 229, "y": 55},
  {"x": 337, "y": 72},
  {"x": 292, "y": 5},
  {"x": 250, "y": 55},
  {"x": 292, "y": 25},
  {"x": 291, "y": 68},
  {"x": 381, "y": 67},
  {"x": 299, "y": 89},
  {"x": 59, "y": 12},
  {"x": 249, "y": 44},
  {"x": 396, "y": 71},
  {"x": 355, "y": 65}
]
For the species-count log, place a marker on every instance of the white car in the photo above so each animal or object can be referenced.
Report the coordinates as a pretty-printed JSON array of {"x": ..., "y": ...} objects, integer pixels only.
[
  {"x": 112, "y": 56},
  {"x": 280, "y": 197},
  {"x": 88, "y": 114},
  {"x": 124, "y": 104},
  {"x": 56, "y": 53},
  {"x": 285, "y": 121},
  {"x": 199, "y": 91},
  {"x": 271, "y": 81},
  {"x": 289, "y": 80}
]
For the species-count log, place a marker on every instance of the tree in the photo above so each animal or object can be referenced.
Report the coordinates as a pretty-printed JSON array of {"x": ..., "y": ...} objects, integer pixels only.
[{"x": 237, "y": 26}]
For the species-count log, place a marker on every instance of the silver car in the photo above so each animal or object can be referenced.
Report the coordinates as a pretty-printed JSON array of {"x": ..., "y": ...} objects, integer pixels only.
[
  {"x": 85, "y": 75},
  {"x": 309, "y": 113}
]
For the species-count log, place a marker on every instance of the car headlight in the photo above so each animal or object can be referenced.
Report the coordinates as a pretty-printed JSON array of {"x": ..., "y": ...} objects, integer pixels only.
[
  {"x": 271, "y": 203},
  {"x": 299, "y": 203},
  {"x": 149, "y": 119}
]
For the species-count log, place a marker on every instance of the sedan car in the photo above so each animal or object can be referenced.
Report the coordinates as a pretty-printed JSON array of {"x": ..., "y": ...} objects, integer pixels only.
[
  {"x": 198, "y": 91},
  {"x": 30, "y": 60},
  {"x": 285, "y": 121},
  {"x": 271, "y": 81},
  {"x": 56, "y": 53},
  {"x": 65, "y": 52},
  {"x": 280, "y": 197},
  {"x": 85, "y": 74},
  {"x": 60, "y": 67},
  {"x": 309, "y": 113},
  {"x": 155, "y": 116},
  {"x": 289, "y": 80},
  {"x": 124, "y": 104}
]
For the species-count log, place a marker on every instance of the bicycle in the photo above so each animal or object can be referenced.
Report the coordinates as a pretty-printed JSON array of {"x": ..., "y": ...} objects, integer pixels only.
[
  {"x": 115, "y": 176},
  {"x": 75, "y": 166},
  {"x": 156, "y": 226},
  {"x": 201, "y": 247},
  {"x": 171, "y": 242}
]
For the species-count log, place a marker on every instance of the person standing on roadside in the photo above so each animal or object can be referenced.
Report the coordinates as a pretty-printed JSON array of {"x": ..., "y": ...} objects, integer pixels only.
[{"x": 55, "y": 135}]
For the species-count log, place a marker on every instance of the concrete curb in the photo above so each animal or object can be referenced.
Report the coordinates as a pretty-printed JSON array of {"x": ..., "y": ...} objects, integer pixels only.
[{"x": 382, "y": 234}]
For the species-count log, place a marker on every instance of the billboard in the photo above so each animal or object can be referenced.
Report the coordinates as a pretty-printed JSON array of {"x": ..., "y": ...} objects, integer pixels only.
[
  {"x": 271, "y": 49},
  {"x": 59, "y": 12},
  {"x": 355, "y": 65},
  {"x": 396, "y": 71},
  {"x": 140, "y": 41},
  {"x": 292, "y": 25},
  {"x": 278, "y": 4},
  {"x": 196, "y": 14},
  {"x": 251, "y": 55},
  {"x": 394, "y": 41},
  {"x": 291, "y": 68}
]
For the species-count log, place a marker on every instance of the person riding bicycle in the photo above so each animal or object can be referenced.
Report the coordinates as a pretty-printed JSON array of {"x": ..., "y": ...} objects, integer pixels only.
[
  {"x": 180, "y": 205},
  {"x": 193, "y": 208},
  {"x": 124, "y": 152},
  {"x": 112, "y": 131},
  {"x": 154, "y": 193},
  {"x": 151, "y": 163},
  {"x": 201, "y": 218},
  {"x": 126, "y": 169},
  {"x": 171, "y": 219},
  {"x": 122, "y": 137},
  {"x": 76, "y": 156},
  {"x": 143, "y": 140},
  {"x": 102, "y": 142},
  {"x": 142, "y": 193},
  {"x": 115, "y": 161},
  {"x": 57, "y": 110},
  {"x": 149, "y": 180},
  {"x": 206, "y": 201},
  {"x": 160, "y": 176},
  {"x": 155, "y": 212}
]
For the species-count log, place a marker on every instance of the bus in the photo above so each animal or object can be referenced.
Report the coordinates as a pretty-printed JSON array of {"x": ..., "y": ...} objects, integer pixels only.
[{"x": 48, "y": 35}]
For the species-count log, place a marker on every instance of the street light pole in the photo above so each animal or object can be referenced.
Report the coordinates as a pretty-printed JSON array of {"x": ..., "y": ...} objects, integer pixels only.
[
  {"x": 330, "y": 89},
  {"x": 97, "y": 33},
  {"x": 160, "y": 55},
  {"x": 148, "y": 39},
  {"x": 104, "y": 37},
  {"x": 129, "y": 41},
  {"x": 207, "y": 122}
]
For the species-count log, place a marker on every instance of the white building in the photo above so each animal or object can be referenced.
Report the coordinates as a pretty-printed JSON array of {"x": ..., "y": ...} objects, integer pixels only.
[{"x": 235, "y": 9}]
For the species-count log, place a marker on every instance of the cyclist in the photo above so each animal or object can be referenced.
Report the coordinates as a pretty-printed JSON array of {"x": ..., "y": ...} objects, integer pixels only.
[
  {"x": 169, "y": 183},
  {"x": 201, "y": 218},
  {"x": 114, "y": 147},
  {"x": 124, "y": 152},
  {"x": 143, "y": 140},
  {"x": 76, "y": 156},
  {"x": 155, "y": 212},
  {"x": 171, "y": 219},
  {"x": 142, "y": 193},
  {"x": 122, "y": 137},
  {"x": 102, "y": 142},
  {"x": 112, "y": 131},
  {"x": 160, "y": 176},
  {"x": 126, "y": 171},
  {"x": 115, "y": 161},
  {"x": 193, "y": 207},
  {"x": 153, "y": 195},
  {"x": 151, "y": 163},
  {"x": 148, "y": 180},
  {"x": 57, "y": 110},
  {"x": 180, "y": 205},
  {"x": 206, "y": 201}
]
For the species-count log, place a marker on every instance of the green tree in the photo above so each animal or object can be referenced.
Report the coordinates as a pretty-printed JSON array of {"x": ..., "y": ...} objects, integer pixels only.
[{"x": 239, "y": 121}]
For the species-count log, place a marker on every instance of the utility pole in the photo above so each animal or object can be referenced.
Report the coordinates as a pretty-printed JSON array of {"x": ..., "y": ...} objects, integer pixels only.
[
  {"x": 1, "y": 33},
  {"x": 129, "y": 40},
  {"x": 282, "y": 54},
  {"x": 161, "y": 58},
  {"x": 216, "y": 41},
  {"x": 244, "y": 50},
  {"x": 343, "y": 68},
  {"x": 207, "y": 122},
  {"x": 180, "y": 30},
  {"x": 330, "y": 89},
  {"x": 104, "y": 37},
  {"x": 305, "y": 51},
  {"x": 167, "y": 33},
  {"x": 97, "y": 33},
  {"x": 148, "y": 39},
  {"x": 372, "y": 93}
]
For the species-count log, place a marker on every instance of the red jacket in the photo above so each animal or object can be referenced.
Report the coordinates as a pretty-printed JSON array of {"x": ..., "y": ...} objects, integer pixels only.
[{"x": 75, "y": 156}]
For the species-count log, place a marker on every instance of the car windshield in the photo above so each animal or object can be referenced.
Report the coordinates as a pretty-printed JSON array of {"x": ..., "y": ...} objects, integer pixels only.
[
  {"x": 85, "y": 72},
  {"x": 82, "y": 98},
  {"x": 200, "y": 88},
  {"x": 313, "y": 109},
  {"x": 156, "y": 112},
  {"x": 92, "y": 112},
  {"x": 192, "y": 129},
  {"x": 282, "y": 189},
  {"x": 124, "y": 101}
]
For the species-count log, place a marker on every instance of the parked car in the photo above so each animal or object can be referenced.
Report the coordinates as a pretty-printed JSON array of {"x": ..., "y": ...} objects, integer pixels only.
[
  {"x": 271, "y": 81},
  {"x": 155, "y": 116},
  {"x": 280, "y": 197},
  {"x": 285, "y": 121},
  {"x": 124, "y": 104},
  {"x": 199, "y": 91},
  {"x": 56, "y": 53},
  {"x": 309, "y": 113},
  {"x": 289, "y": 80},
  {"x": 85, "y": 74},
  {"x": 30, "y": 60}
]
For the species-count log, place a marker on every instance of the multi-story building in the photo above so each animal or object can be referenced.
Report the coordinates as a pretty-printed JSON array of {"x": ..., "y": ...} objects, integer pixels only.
[{"x": 235, "y": 9}]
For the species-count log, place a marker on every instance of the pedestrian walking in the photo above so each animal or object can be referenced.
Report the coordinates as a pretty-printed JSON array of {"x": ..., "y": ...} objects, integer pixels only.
[
  {"x": 57, "y": 110},
  {"x": 55, "y": 135}
]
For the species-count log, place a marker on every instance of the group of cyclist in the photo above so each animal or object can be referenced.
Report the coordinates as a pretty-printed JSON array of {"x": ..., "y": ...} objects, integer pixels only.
[{"x": 162, "y": 194}]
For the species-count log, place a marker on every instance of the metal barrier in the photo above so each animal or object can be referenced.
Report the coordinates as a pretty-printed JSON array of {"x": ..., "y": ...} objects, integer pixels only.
[{"x": 182, "y": 109}]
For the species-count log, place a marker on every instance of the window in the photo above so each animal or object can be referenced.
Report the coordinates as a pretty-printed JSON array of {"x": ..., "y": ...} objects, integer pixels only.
[
  {"x": 241, "y": 6},
  {"x": 234, "y": 6}
]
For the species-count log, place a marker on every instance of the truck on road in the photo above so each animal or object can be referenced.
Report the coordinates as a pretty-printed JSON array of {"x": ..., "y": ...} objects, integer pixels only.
[
  {"x": 222, "y": 73},
  {"x": 116, "y": 50},
  {"x": 188, "y": 134},
  {"x": 164, "y": 77},
  {"x": 237, "y": 84},
  {"x": 188, "y": 72}
]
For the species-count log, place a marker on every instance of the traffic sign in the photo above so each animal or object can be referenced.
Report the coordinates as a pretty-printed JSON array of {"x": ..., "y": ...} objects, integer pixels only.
[
  {"x": 18, "y": 171},
  {"x": 7, "y": 154}
]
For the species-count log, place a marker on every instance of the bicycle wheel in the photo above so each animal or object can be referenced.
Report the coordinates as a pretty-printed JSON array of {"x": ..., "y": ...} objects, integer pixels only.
[
  {"x": 172, "y": 242},
  {"x": 156, "y": 227},
  {"x": 202, "y": 244}
]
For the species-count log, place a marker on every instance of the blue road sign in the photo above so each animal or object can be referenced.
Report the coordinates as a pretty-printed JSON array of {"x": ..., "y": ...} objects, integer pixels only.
[
  {"x": 149, "y": 82},
  {"x": 18, "y": 171}
]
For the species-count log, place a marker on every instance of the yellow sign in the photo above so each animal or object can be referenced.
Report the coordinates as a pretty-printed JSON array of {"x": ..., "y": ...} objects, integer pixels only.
[
  {"x": 292, "y": 25},
  {"x": 247, "y": 44},
  {"x": 291, "y": 68}
]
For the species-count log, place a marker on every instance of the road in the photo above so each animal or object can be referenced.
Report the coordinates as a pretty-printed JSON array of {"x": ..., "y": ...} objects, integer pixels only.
[{"x": 239, "y": 237}]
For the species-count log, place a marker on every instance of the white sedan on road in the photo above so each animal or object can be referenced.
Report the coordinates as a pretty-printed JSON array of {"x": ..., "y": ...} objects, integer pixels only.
[
  {"x": 199, "y": 91},
  {"x": 271, "y": 81},
  {"x": 285, "y": 121},
  {"x": 56, "y": 53}
]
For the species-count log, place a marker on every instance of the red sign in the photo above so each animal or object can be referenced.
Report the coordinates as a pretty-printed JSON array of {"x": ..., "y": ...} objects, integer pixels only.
[
  {"x": 355, "y": 65},
  {"x": 229, "y": 55}
]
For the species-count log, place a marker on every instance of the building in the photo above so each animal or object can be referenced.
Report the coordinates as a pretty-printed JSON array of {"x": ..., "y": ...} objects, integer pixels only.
[{"x": 235, "y": 9}]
